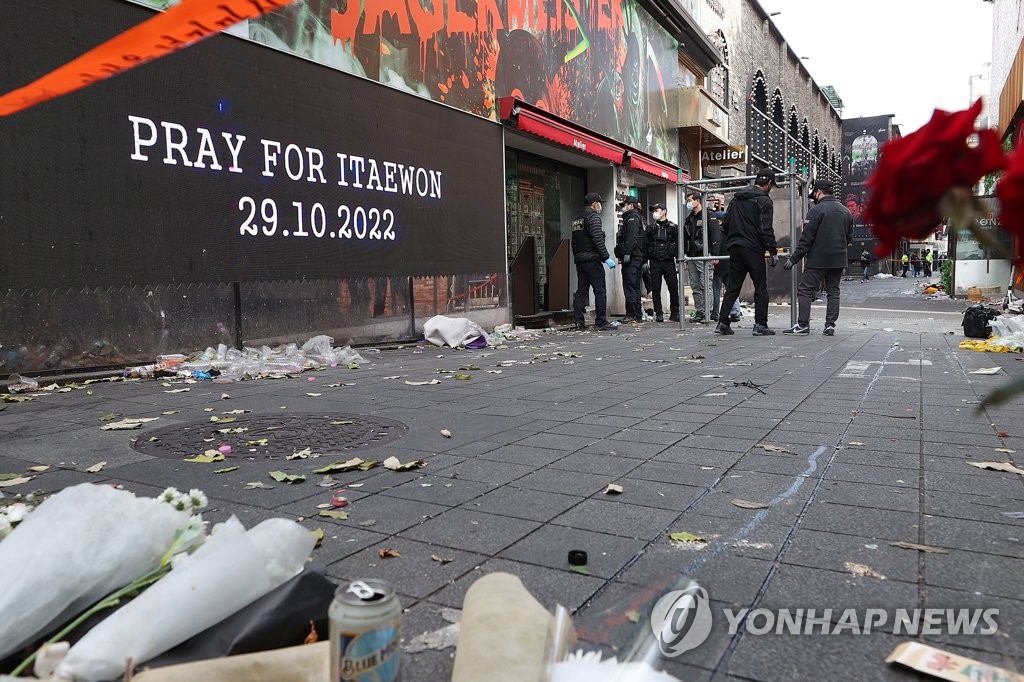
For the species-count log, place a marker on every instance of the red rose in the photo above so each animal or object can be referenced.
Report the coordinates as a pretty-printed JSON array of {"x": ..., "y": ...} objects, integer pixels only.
[
  {"x": 1010, "y": 191},
  {"x": 915, "y": 172}
]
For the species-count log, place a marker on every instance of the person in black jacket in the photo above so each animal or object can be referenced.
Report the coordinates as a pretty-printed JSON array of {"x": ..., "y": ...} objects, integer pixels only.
[
  {"x": 662, "y": 249},
  {"x": 697, "y": 270},
  {"x": 629, "y": 247},
  {"x": 828, "y": 229},
  {"x": 589, "y": 252},
  {"x": 749, "y": 233}
]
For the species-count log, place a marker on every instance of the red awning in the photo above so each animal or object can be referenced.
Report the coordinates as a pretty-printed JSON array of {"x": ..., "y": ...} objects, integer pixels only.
[
  {"x": 659, "y": 169},
  {"x": 542, "y": 124}
]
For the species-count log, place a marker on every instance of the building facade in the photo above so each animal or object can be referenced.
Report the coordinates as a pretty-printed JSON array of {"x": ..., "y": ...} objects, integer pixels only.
[
  {"x": 1007, "y": 79},
  {"x": 341, "y": 168}
]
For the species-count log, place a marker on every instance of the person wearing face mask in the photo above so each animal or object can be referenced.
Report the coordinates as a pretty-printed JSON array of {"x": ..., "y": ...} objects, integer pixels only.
[
  {"x": 693, "y": 241},
  {"x": 629, "y": 247},
  {"x": 662, "y": 249},
  {"x": 828, "y": 230}
]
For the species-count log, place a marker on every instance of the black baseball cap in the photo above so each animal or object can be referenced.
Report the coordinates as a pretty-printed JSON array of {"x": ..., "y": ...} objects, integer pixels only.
[
  {"x": 824, "y": 185},
  {"x": 764, "y": 177},
  {"x": 655, "y": 207},
  {"x": 591, "y": 198}
]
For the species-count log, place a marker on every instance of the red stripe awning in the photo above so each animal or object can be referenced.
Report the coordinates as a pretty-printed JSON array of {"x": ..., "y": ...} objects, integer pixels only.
[
  {"x": 659, "y": 169},
  {"x": 543, "y": 124}
]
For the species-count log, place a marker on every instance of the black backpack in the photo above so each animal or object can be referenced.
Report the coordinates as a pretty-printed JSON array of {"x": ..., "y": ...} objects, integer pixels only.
[{"x": 976, "y": 320}]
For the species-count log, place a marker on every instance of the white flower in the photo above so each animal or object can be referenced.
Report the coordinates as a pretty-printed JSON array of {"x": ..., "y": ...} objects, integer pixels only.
[
  {"x": 170, "y": 495},
  {"x": 5, "y": 526},
  {"x": 16, "y": 512},
  {"x": 197, "y": 498}
]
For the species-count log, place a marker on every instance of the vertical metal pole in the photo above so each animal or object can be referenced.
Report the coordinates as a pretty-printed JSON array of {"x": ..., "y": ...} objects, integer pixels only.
[
  {"x": 794, "y": 274},
  {"x": 412, "y": 309},
  {"x": 680, "y": 238},
  {"x": 703, "y": 267},
  {"x": 236, "y": 288}
]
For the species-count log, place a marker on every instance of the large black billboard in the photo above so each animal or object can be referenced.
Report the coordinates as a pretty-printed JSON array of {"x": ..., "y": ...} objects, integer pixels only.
[
  {"x": 231, "y": 162},
  {"x": 863, "y": 139}
]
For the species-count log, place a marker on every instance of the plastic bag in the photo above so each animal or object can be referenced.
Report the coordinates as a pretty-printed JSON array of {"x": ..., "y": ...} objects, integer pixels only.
[
  {"x": 457, "y": 332},
  {"x": 74, "y": 549},
  {"x": 231, "y": 571}
]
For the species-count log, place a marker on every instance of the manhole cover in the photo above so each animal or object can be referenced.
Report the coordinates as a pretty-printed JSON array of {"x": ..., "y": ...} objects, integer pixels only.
[{"x": 277, "y": 436}]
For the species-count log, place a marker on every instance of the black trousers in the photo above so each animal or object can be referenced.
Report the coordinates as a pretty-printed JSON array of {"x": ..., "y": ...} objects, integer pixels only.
[
  {"x": 631, "y": 288},
  {"x": 665, "y": 269},
  {"x": 743, "y": 262},
  {"x": 588, "y": 275},
  {"x": 810, "y": 282}
]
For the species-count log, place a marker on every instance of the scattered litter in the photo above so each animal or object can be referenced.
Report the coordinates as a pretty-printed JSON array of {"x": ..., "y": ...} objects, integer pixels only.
[
  {"x": 462, "y": 377},
  {"x": 39, "y": 469},
  {"x": 387, "y": 553},
  {"x": 257, "y": 442},
  {"x": 998, "y": 466},
  {"x": 252, "y": 485},
  {"x": 304, "y": 453},
  {"x": 920, "y": 548},
  {"x": 7, "y": 482},
  {"x": 170, "y": 412},
  {"x": 342, "y": 422},
  {"x": 96, "y": 468},
  {"x": 440, "y": 559},
  {"x": 442, "y": 638},
  {"x": 862, "y": 570},
  {"x": 394, "y": 464},
  {"x": 710, "y": 376},
  {"x": 314, "y": 395},
  {"x": 446, "y": 433},
  {"x": 222, "y": 420},
  {"x": 1013, "y": 515},
  {"x": 947, "y": 666},
  {"x": 456, "y": 332},
  {"x": 207, "y": 457},
  {"x": 396, "y": 376},
  {"x": 773, "y": 448},
  {"x": 225, "y": 470},
  {"x": 334, "y": 514},
  {"x": 317, "y": 533},
  {"x": 1006, "y": 450},
  {"x": 179, "y": 390},
  {"x": 714, "y": 395},
  {"x": 230, "y": 431},
  {"x": 688, "y": 538},
  {"x": 282, "y": 477},
  {"x": 128, "y": 424},
  {"x": 747, "y": 544},
  {"x": 871, "y": 546},
  {"x": 613, "y": 489},
  {"x": 987, "y": 370},
  {"x": 19, "y": 384},
  {"x": 747, "y": 504},
  {"x": 856, "y": 443},
  {"x": 423, "y": 383},
  {"x": 348, "y": 465}
]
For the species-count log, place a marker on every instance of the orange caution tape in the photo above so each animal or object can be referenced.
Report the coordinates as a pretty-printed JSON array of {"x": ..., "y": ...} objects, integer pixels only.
[{"x": 179, "y": 27}]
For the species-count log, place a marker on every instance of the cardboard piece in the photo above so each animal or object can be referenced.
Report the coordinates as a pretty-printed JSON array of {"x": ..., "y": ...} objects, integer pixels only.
[
  {"x": 945, "y": 666},
  {"x": 306, "y": 663}
]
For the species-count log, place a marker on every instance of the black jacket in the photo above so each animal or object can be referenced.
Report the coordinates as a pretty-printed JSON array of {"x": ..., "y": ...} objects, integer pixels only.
[
  {"x": 662, "y": 240},
  {"x": 694, "y": 234},
  {"x": 828, "y": 229},
  {"x": 631, "y": 237},
  {"x": 749, "y": 221},
  {"x": 588, "y": 238}
]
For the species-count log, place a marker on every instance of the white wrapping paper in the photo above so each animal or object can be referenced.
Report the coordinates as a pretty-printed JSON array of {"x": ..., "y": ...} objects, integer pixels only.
[
  {"x": 74, "y": 549},
  {"x": 228, "y": 573}
]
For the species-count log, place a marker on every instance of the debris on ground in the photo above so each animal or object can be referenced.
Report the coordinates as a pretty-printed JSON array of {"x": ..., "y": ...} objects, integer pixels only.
[
  {"x": 921, "y": 548},
  {"x": 456, "y": 332},
  {"x": 1008, "y": 467},
  {"x": 946, "y": 666},
  {"x": 442, "y": 638},
  {"x": 862, "y": 570}
]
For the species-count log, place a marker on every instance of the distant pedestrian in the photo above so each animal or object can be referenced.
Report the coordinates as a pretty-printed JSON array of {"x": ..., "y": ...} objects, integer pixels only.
[
  {"x": 828, "y": 229},
  {"x": 929, "y": 258},
  {"x": 662, "y": 249},
  {"x": 629, "y": 245},
  {"x": 915, "y": 264},
  {"x": 750, "y": 239},
  {"x": 589, "y": 252},
  {"x": 905, "y": 263},
  {"x": 865, "y": 263}
]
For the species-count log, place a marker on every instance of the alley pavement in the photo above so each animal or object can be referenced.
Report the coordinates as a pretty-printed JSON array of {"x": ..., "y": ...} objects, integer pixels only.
[{"x": 795, "y": 462}]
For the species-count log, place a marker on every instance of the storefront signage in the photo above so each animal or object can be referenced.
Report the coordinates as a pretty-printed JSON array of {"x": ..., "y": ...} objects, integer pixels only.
[{"x": 724, "y": 156}]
